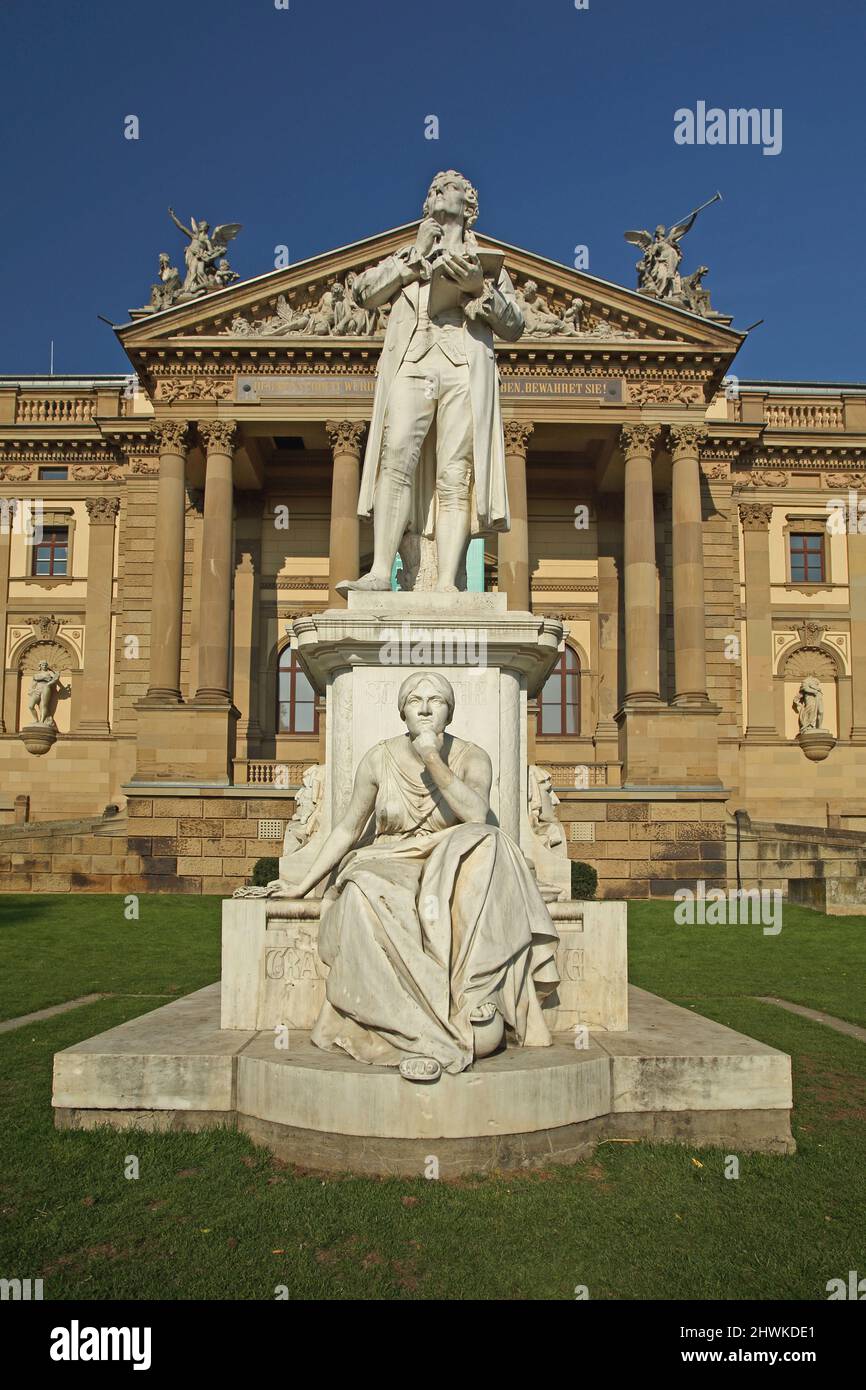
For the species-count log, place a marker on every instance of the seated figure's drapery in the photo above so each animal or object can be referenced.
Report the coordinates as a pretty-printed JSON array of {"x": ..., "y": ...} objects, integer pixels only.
[{"x": 430, "y": 920}]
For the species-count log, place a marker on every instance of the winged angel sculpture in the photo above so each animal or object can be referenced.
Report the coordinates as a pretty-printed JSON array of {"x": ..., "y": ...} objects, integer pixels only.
[
  {"x": 658, "y": 269},
  {"x": 206, "y": 265}
]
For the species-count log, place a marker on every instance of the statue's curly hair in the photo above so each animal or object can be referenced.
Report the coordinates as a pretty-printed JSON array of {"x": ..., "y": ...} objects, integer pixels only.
[{"x": 471, "y": 195}]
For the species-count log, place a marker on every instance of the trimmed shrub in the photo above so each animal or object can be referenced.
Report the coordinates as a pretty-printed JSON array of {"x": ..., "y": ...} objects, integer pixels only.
[
  {"x": 265, "y": 871},
  {"x": 584, "y": 881}
]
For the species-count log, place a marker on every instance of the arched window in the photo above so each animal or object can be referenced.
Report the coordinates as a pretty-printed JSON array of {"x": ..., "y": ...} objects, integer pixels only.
[
  {"x": 296, "y": 698},
  {"x": 559, "y": 706}
]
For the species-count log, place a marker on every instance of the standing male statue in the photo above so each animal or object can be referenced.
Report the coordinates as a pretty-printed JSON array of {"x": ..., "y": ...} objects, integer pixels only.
[
  {"x": 40, "y": 694},
  {"x": 435, "y": 457}
]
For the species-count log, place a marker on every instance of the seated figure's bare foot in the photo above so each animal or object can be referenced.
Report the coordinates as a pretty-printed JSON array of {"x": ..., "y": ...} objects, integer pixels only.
[
  {"x": 488, "y": 1028},
  {"x": 420, "y": 1069},
  {"x": 367, "y": 584},
  {"x": 446, "y": 588}
]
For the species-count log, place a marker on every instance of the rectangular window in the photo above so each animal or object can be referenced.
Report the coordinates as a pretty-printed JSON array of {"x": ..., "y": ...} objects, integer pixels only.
[
  {"x": 53, "y": 475},
  {"x": 51, "y": 555},
  {"x": 807, "y": 557}
]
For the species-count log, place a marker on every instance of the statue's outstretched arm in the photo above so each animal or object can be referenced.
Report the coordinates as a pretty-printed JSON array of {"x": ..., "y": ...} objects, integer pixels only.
[
  {"x": 347, "y": 832},
  {"x": 177, "y": 222}
]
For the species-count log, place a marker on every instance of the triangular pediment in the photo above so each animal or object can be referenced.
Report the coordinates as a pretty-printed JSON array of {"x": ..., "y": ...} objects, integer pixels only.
[{"x": 309, "y": 304}]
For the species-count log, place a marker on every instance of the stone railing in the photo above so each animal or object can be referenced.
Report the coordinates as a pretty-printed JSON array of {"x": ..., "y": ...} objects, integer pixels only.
[
  {"x": 54, "y": 410},
  {"x": 577, "y": 775},
  {"x": 823, "y": 416},
  {"x": 261, "y": 772}
]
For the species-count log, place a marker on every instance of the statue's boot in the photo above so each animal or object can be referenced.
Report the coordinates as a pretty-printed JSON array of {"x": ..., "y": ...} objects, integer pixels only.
[
  {"x": 420, "y": 1069},
  {"x": 367, "y": 585}
]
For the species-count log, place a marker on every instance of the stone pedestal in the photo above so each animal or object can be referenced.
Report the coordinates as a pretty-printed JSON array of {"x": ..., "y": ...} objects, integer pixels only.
[
  {"x": 184, "y": 743},
  {"x": 669, "y": 745},
  {"x": 493, "y": 658},
  {"x": 272, "y": 975}
]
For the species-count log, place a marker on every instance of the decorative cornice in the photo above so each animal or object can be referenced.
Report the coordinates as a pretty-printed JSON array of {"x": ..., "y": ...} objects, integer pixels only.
[
  {"x": 301, "y": 581},
  {"x": 97, "y": 473},
  {"x": 638, "y": 441},
  {"x": 665, "y": 393},
  {"x": 756, "y": 516},
  {"x": 102, "y": 510},
  {"x": 171, "y": 436},
  {"x": 219, "y": 436},
  {"x": 345, "y": 436},
  {"x": 199, "y": 388},
  {"x": 760, "y": 477},
  {"x": 517, "y": 435},
  {"x": 845, "y": 480}
]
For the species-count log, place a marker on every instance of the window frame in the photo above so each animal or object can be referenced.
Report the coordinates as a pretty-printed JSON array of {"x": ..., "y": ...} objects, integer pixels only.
[
  {"x": 568, "y": 666},
  {"x": 292, "y": 668},
  {"x": 51, "y": 573}
]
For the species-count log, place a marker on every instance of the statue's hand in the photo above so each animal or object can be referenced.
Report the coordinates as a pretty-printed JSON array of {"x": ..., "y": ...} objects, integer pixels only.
[
  {"x": 427, "y": 743},
  {"x": 429, "y": 234},
  {"x": 465, "y": 270}
]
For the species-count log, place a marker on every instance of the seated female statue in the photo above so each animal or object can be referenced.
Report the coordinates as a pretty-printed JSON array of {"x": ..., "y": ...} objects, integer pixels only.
[{"x": 434, "y": 929}]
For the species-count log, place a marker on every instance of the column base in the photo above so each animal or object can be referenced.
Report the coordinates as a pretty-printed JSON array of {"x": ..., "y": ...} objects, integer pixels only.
[
  {"x": 212, "y": 695},
  {"x": 191, "y": 742},
  {"x": 97, "y": 727},
  {"x": 162, "y": 695},
  {"x": 668, "y": 745}
]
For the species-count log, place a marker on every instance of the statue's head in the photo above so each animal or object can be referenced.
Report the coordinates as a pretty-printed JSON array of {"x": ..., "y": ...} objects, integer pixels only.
[
  {"x": 660, "y": 231},
  {"x": 810, "y": 685},
  {"x": 530, "y": 290},
  {"x": 452, "y": 195},
  {"x": 43, "y": 666},
  {"x": 426, "y": 701},
  {"x": 164, "y": 259},
  {"x": 204, "y": 227}
]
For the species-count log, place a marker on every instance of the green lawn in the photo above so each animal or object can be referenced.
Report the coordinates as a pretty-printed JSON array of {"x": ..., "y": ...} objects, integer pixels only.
[{"x": 211, "y": 1216}]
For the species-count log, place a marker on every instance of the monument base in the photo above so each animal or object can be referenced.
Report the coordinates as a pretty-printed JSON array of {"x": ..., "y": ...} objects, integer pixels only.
[{"x": 673, "y": 1076}]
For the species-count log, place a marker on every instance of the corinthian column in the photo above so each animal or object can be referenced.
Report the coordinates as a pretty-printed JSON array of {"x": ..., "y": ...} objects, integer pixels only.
[
  {"x": 167, "y": 602},
  {"x": 219, "y": 438},
  {"x": 514, "y": 544},
  {"x": 639, "y": 567},
  {"x": 97, "y": 616},
  {"x": 345, "y": 563},
  {"x": 761, "y": 715},
  {"x": 690, "y": 662}
]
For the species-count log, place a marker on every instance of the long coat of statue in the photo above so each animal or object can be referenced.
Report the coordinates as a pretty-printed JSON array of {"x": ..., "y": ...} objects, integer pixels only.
[{"x": 489, "y": 497}]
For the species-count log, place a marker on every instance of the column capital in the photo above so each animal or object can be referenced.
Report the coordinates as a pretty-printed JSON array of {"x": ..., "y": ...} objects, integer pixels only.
[
  {"x": 102, "y": 510},
  {"x": 638, "y": 439},
  {"x": 756, "y": 516},
  {"x": 345, "y": 436},
  {"x": 172, "y": 436},
  {"x": 517, "y": 434},
  {"x": 219, "y": 436},
  {"x": 686, "y": 440}
]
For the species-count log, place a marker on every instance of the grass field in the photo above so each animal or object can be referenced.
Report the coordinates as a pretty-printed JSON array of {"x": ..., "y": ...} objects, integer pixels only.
[{"x": 211, "y": 1216}]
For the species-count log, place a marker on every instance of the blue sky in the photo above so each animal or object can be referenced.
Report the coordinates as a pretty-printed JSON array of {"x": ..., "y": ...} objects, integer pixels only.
[{"x": 307, "y": 125}]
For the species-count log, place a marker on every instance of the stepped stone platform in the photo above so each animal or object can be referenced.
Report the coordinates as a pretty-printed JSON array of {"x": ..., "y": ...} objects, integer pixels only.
[{"x": 673, "y": 1076}]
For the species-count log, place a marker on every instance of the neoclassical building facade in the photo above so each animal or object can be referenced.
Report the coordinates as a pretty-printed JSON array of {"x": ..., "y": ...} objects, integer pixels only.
[{"x": 673, "y": 517}]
